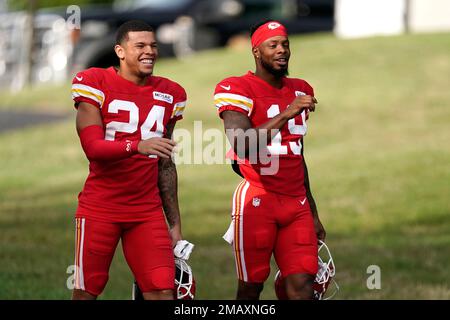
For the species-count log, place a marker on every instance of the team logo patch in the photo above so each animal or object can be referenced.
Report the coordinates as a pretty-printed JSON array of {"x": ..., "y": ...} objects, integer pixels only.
[
  {"x": 273, "y": 25},
  {"x": 299, "y": 93},
  {"x": 256, "y": 202},
  {"x": 162, "y": 97}
]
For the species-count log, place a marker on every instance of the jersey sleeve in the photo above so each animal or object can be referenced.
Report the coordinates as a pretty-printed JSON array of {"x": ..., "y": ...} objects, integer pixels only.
[
  {"x": 86, "y": 88},
  {"x": 231, "y": 94},
  {"x": 303, "y": 88},
  {"x": 179, "y": 103},
  {"x": 309, "y": 90}
]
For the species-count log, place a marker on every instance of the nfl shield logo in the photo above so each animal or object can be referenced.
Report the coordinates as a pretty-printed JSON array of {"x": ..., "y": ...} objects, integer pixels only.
[{"x": 256, "y": 201}]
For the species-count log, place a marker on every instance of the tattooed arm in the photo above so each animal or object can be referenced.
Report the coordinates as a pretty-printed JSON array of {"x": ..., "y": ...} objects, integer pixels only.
[
  {"x": 320, "y": 230},
  {"x": 168, "y": 189}
]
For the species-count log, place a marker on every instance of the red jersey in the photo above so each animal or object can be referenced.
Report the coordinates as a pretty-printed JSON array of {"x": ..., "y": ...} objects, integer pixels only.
[
  {"x": 260, "y": 101},
  {"x": 126, "y": 190}
]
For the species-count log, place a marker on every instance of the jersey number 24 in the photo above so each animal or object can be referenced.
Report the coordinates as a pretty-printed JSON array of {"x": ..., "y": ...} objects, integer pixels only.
[{"x": 156, "y": 114}]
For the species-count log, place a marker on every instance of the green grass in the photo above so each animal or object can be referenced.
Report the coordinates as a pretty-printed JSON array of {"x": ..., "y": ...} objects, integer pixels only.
[{"x": 378, "y": 156}]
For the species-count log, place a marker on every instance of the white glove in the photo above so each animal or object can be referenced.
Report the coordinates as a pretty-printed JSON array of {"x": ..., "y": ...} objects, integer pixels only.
[
  {"x": 229, "y": 235},
  {"x": 183, "y": 249}
]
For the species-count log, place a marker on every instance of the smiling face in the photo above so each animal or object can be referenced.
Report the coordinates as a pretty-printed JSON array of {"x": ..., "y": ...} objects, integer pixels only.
[
  {"x": 138, "y": 53},
  {"x": 273, "y": 55}
]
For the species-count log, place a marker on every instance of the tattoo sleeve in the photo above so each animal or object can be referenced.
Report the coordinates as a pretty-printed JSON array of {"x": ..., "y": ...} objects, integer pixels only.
[
  {"x": 309, "y": 195},
  {"x": 239, "y": 131},
  {"x": 168, "y": 186}
]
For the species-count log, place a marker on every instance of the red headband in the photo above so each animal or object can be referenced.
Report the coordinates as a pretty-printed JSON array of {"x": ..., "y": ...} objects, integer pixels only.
[{"x": 266, "y": 31}]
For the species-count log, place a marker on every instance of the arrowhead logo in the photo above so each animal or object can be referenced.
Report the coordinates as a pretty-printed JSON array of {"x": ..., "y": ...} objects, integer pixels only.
[
  {"x": 273, "y": 25},
  {"x": 226, "y": 87}
]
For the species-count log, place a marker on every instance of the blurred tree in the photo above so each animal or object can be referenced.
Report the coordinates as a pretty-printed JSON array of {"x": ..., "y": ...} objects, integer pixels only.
[
  {"x": 24, "y": 4},
  {"x": 31, "y": 8}
]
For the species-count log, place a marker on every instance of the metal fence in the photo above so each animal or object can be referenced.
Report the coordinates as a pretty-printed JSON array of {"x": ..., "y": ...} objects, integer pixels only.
[{"x": 49, "y": 55}]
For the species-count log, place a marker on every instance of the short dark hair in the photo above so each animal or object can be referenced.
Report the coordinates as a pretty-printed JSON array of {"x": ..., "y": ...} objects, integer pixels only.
[
  {"x": 129, "y": 26},
  {"x": 254, "y": 27}
]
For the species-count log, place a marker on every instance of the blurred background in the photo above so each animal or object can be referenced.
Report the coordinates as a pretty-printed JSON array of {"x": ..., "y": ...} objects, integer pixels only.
[
  {"x": 377, "y": 146},
  {"x": 68, "y": 37}
]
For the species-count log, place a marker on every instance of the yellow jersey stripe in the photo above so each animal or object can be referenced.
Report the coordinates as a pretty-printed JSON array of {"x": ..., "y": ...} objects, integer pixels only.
[
  {"x": 239, "y": 103},
  {"x": 233, "y": 96},
  {"x": 88, "y": 94}
]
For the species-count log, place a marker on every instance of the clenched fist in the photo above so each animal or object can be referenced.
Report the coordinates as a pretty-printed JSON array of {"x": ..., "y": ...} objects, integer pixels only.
[{"x": 299, "y": 104}]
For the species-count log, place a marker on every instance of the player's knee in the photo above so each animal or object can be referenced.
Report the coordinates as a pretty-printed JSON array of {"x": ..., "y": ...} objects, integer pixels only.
[
  {"x": 159, "y": 295},
  {"x": 259, "y": 275},
  {"x": 306, "y": 264},
  {"x": 300, "y": 287},
  {"x": 96, "y": 283},
  {"x": 249, "y": 291},
  {"x": 309, "y": 264},
  {"x": 158, "y": 279},
  {"x": 79, "y": 294}
]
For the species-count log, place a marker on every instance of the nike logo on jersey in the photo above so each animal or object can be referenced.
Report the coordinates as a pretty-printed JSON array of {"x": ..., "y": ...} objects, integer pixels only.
[
  {"x": 226, "y": 87},
  {"x": 79, "y": 78},
  {"x": 299, "y": 93},
  {"x": 303, "y": 202}
]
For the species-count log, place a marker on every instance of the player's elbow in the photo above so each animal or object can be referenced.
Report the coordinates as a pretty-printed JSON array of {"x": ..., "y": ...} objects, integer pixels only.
[
  {"x": 92, "y": 154},
  {"x": 92, "y": 150},
  {"x": 245, "y": 146},
  {"x": 90, "y": 138}
]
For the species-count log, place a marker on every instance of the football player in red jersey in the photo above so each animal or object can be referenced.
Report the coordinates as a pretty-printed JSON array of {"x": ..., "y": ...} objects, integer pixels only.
[
  {"x": 272, "y": 213},
  {"x": 125, "y": 119}
]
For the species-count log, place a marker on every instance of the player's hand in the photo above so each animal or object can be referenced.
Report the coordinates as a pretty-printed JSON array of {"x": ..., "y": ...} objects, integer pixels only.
[
  {"x": 183, "y": 249},
  {"x": 161, "y": 147},
  {"x": 320, "y": 230},
  {"x": 299, "y": 104}
]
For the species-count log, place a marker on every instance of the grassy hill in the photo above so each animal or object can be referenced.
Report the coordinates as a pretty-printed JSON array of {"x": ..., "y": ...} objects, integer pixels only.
[{"x": 378, "y": 156}]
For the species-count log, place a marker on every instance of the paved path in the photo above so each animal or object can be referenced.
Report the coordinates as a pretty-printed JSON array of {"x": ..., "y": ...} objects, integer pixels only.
[{"x": 10, "y": 120}]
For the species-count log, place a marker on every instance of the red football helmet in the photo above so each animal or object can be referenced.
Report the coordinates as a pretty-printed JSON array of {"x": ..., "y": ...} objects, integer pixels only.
[
  {"x": 184, "y": 281},
  {"x": 324, "y": 277}
]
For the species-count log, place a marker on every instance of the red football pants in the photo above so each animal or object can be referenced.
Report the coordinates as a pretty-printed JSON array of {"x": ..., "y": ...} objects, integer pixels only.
[
  {"x": 146, "y": 246},
  {"x": 264, "y": 223}
]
